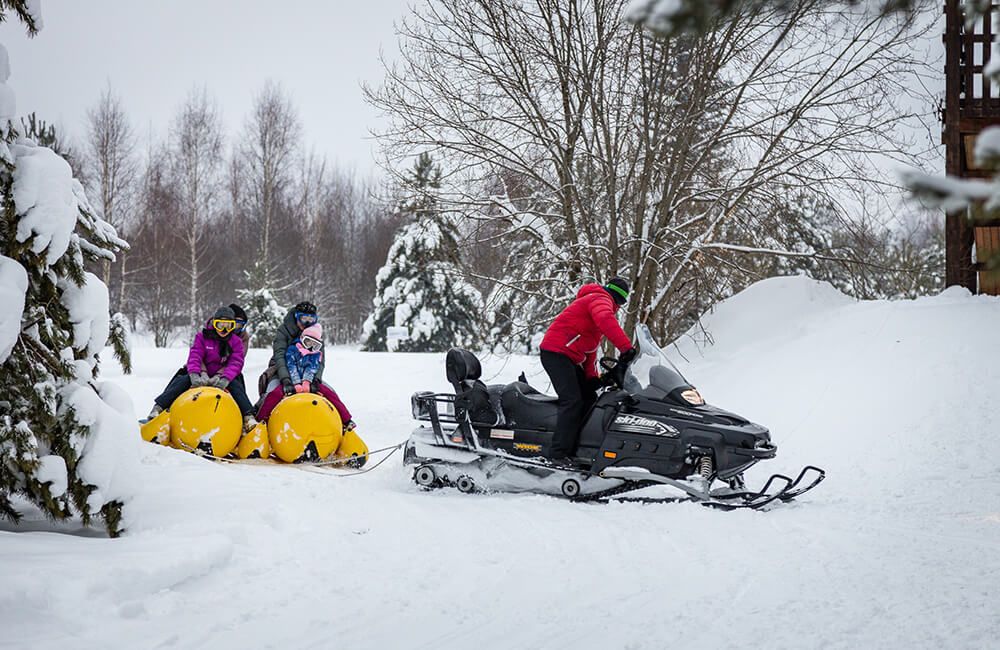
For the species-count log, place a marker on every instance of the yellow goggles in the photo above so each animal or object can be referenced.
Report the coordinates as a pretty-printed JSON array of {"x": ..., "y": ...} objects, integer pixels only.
[{"x": 223, "y": 325}]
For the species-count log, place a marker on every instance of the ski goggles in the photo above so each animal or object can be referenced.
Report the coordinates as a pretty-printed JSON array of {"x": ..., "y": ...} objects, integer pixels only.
[
  {"x": 306, "y": 319},
  {"x": 311, "y": 344},
  {"x": 223, "y": 326},
  {"x": 240, "y": 324}
]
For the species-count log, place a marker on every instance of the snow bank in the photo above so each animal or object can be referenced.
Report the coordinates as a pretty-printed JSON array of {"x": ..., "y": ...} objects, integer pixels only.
[
  {"x": 44, "y": 199},
  {"x": 772, "y": 308},
  {"x": 13, "y": 286}
]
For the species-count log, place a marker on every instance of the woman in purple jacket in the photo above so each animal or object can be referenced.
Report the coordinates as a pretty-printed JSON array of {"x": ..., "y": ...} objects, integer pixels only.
[{"x": 215, "y": 359}]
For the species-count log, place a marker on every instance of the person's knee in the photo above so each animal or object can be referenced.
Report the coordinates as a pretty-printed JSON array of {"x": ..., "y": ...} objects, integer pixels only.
[{"x": 571, "y": 399}]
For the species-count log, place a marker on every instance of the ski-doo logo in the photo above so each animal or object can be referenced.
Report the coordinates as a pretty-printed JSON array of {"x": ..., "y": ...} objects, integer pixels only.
[{"x": 637, "y": 424}]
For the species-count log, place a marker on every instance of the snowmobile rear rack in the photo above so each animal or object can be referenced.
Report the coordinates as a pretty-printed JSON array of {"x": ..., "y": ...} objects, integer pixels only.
[{"x": 461, "y": 435}]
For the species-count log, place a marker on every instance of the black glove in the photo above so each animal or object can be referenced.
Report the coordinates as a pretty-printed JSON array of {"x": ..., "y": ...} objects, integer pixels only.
[
  {"x": 628, "y": 356},
  {"x": 287, "y": 387},
  {"x": 314, "y": 386}
]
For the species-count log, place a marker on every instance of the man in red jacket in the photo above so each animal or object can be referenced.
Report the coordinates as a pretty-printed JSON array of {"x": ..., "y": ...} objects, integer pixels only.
[{"x": 569, "y": 355}]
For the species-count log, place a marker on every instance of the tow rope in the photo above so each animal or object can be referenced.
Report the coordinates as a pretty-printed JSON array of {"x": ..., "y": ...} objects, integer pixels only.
[{"x": 330, "y": 462}]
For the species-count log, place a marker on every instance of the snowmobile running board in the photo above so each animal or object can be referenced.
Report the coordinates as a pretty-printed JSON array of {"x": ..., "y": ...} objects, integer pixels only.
[{"x": 637, "y": 478}]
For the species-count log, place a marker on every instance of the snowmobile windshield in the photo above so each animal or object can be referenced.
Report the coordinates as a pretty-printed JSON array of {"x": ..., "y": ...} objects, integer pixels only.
[{"x": 651, "y": 373}]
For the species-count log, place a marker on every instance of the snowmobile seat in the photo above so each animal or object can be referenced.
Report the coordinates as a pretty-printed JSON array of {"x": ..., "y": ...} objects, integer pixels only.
[
  {"x": 471, "y": 395},
  {"x": 523, "y": 406},
  {"x": 462, "y": 368}
]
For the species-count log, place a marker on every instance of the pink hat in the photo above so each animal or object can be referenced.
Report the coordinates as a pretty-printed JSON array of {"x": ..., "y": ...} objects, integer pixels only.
[{"x": 314, "y": 332}]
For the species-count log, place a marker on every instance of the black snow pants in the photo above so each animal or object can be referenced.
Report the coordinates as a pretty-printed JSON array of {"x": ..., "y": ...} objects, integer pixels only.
[
  {"x": 575, "y": 399},
  {"x": 181, "y": 382}
]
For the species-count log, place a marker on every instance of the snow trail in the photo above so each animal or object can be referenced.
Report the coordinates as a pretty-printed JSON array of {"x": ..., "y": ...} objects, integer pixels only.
[{"x": 897, "y": 548}]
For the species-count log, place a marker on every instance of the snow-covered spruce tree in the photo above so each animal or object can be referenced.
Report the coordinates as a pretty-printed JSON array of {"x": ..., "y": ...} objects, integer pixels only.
[
  {"x": 421, "y": 287},
  {"x": 64, "y": 436},
  {"x": 264, "y": 312}
]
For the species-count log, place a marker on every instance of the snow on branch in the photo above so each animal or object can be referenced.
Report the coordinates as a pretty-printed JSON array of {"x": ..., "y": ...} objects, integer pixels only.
[{"x": 671, "y": 17}]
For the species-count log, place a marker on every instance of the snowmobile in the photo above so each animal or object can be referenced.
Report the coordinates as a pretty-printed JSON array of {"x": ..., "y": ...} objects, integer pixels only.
[{"x": 648, "y": 427}]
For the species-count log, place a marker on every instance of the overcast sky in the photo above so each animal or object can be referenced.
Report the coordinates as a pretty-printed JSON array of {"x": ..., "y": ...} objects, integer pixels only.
[{"x": 154, "y": 51}]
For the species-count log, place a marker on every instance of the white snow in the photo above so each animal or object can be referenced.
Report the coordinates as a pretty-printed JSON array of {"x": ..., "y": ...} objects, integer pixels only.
[
  {"x": 4, "y": 64},
  {"x": 109, "y": 455},
  {"x": 897, "y": 549},
  {"x": 8, "y": 102},
  {"x": 44, "y": 199},
  {"x": 89, "y": 309},
  {"x": 987, "y": 151},
  {"x": 52, "y": 469},
  {"x": 656, "y": 15},
  {"x": 13, "y": 286},
  {"x": 946, "y": 192}
]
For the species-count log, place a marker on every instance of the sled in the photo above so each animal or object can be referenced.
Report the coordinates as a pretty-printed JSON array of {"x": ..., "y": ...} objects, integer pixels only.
[{"x": 302, "y": 428}]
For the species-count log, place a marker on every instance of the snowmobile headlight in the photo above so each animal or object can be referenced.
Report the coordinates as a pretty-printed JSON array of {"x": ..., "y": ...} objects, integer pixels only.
[{"x": 692, "y": 396}]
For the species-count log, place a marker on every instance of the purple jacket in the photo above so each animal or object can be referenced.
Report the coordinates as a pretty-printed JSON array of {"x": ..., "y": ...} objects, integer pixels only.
[{"x": 206, "y": 355}]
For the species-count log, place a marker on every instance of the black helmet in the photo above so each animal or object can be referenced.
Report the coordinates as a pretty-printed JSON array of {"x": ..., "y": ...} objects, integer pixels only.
[
  {"x": 305, "y": 307},
  {"x": 238, "y": 312}
]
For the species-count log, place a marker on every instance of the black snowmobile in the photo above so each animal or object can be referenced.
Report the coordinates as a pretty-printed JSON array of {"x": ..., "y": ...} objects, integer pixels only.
[{"x": 648, "y": 427}]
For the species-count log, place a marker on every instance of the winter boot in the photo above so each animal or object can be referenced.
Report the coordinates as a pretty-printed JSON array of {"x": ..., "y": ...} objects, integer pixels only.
[
  {"x": 156, "y": 410},
  {"x": 249, "y": 422}
]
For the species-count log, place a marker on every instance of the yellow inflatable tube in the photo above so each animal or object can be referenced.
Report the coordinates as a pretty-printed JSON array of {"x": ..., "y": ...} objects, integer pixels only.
[
  {"x": 304, "y": 426},
  {"x": 206, "y": 418},
  {"x": 157, "y": 430}
]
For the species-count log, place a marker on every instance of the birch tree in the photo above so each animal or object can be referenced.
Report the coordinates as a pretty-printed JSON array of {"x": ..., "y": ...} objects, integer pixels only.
[
  {"x": 268, "y": 152},
  {"x": 113, "y": 172},
  {"x": 196, "y": 151}
]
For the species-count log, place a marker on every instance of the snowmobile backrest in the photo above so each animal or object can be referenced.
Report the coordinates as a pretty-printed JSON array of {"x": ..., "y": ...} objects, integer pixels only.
[{"x": 462, "y": 368}]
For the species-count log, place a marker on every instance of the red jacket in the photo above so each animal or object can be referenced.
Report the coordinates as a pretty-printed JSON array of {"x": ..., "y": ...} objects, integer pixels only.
[{"x": 578, "y": 330}]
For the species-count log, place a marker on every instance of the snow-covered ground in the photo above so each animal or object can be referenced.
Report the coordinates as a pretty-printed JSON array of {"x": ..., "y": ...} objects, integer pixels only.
[{"x": 899, "y": 548}]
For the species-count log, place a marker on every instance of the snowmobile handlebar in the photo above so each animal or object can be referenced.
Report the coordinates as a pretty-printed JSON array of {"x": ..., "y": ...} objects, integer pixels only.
[{"x": 614, "y": 375}]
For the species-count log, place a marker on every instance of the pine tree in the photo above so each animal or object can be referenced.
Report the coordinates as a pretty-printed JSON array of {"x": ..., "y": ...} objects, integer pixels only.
[
  {"x": 27, "y": 11},
  {"x": 421, "y": 287},
  {"x": 58, "y": 424},
  {"x": 264, "y": 312}
]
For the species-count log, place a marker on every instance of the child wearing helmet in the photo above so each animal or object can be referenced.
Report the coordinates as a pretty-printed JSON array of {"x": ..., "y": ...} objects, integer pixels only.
[
  {"x": 215, "y": 359},
  {"x": 304, "y": 360},
  {"x": 296, "y": 320}
]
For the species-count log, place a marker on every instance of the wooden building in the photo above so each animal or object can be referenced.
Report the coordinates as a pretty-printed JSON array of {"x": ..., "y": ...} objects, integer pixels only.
[{"x": 972, "y": 103}]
